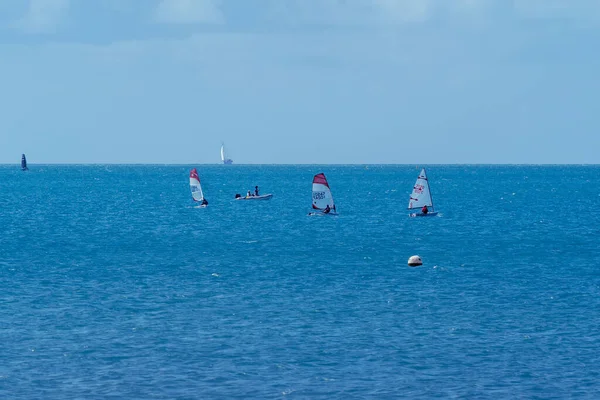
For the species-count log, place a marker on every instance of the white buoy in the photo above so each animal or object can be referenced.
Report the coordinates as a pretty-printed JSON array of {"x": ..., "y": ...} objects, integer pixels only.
[{"x": 415, "y": 261}]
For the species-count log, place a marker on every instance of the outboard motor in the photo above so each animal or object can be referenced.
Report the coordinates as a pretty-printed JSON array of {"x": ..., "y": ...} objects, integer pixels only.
[{"x": 237, "y": 196}]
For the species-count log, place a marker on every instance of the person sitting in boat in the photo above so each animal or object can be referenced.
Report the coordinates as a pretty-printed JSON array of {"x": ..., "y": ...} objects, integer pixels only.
[
  {"x": 256, "y": 190},
  {"x": 249, "y": 194},
  {"x": 327, "y": 209},
  {"x": 424, "y": 210},
  {"x": 204, "y": 202}
]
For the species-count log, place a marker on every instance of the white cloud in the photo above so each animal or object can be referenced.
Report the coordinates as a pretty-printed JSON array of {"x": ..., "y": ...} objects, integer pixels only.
[
  {"x": 374, "y": 12},
  {"x": 395, "y": 12},
  {"x": 351, "y": 12},
  {"x": 563, "y": 9},
  {"x": 43, "y": 16},
  {"x": 189, "y": 12},
  {"x": 404, "y": 10}
]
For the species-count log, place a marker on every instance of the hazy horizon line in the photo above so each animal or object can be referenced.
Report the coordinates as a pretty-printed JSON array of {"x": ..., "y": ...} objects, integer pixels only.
[{"x": 289, "y": 164}]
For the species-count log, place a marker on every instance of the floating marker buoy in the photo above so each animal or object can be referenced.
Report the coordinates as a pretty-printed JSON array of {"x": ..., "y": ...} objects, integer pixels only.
[{"x": 415, "y": 261}]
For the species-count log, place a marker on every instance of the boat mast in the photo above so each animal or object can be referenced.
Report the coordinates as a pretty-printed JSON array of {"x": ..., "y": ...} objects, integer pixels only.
[{"x": 429, "y": 189}]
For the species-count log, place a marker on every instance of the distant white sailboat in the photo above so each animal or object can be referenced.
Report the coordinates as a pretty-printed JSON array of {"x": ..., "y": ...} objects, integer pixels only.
[
  {"x": 420, "y": 198},
  {"x": 322, "y": 199},
  {"x": 224, "y": 157},
  {"x": 196, "y": 188}
]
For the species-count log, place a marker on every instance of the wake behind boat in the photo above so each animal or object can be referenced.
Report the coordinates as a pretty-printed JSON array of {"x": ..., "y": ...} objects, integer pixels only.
[
  {"x": 322, "y": 200},
  {"x": 196, "y": 188},
  {"x": 420, "y": 198}
]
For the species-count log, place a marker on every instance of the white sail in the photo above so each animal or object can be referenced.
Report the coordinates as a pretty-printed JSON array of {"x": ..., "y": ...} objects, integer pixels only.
[
  {"x": 421, "y": 195},
  {"x": 321, "y": 193},
  {"x": 195, "y": 186},
  {"x": 224, "y": 158}
]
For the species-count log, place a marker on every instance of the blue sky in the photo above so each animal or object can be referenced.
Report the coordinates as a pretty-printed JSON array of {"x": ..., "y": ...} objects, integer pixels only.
[{"x": 300, "y": 81}]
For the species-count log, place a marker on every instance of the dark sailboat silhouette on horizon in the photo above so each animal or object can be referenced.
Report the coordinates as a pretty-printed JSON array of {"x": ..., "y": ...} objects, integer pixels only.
[{"x": 24, "y": 163}]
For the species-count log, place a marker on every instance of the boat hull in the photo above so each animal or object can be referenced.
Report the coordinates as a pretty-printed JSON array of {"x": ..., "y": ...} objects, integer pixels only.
[
  {"x": 429, "y": 214},
  {"x": 322, "y": 213},
  {"x": 262, "y": 197}
]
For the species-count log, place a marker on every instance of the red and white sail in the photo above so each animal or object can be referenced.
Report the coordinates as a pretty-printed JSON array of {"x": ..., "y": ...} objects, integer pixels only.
[
  {"x": 195, "y": 186},
  {"x": 321, "y": 193},
  {"x": 421, "y": 196}
]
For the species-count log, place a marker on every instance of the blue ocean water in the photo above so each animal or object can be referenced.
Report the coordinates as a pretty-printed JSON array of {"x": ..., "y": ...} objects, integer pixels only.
[{"x": 113, "y": 285}]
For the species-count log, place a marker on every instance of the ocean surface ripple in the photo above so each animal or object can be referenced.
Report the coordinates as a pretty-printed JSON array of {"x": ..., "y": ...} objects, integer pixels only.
[{"x": 113, "y": 285}]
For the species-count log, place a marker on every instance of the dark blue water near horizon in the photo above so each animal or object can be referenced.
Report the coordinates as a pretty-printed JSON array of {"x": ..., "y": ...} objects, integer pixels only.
[{"x": 113, "y": 285}]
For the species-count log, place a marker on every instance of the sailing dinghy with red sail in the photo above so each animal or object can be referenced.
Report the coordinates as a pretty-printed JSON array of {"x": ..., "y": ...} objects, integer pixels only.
[
  {"x": 196, "y": 188},
  {"x": 322, "y": 200}
]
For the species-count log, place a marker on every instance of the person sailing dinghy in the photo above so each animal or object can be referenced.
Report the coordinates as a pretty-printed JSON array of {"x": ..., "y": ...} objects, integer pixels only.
[
  {"x": 420, "y": 198},
  {"x": 196, "y": 189},
  {"x": 322, "y": 200}
]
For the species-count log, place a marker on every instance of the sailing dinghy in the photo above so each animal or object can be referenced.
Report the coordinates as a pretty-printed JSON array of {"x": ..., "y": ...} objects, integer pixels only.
[
  {"x": 322, "y": 200},
  {"x": 24, "y": 163},
  {"x": 420, "y": 197},
  {"x": 196, "y": 188}
]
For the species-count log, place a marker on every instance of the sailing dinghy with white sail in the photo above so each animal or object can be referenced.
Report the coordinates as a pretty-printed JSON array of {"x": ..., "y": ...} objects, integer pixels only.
[
  {"x": 322, "y": 200},
  {"x": 196, "y": 188},
  {"x": 421, "y": 198}
]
